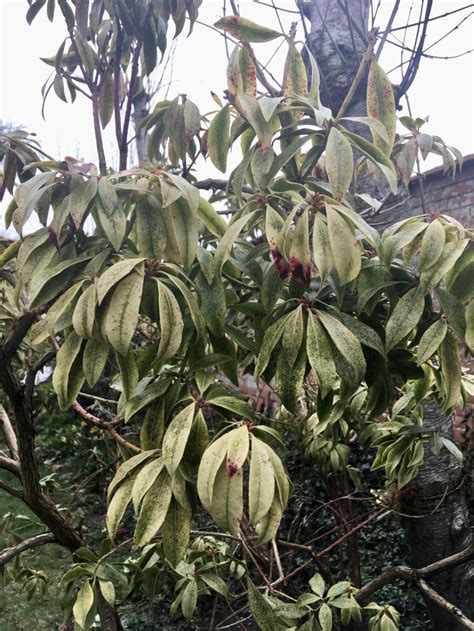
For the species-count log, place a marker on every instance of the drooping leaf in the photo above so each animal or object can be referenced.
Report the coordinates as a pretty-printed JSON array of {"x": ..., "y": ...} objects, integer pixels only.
[
  {"x": 210, "y": 462},
  {"x": 432, "y": 245},
  {"x": 451, "y": 369},
  {"x": 261, "y": 482},
  {"x": 171, "y": 323},
  {"x": 381, "y": 106},
  {"x": 227, "y": 499},
  {"x": 121, "y": 316},
  {"x": 293, "y": 335},
  {"x": 431, "y": 340},
  {"x": 94, "y": 359},
  {"x": 176, "y": 530},
  {"x": 218, "y": 139},
  {"x": 344, "y": 247},
  {"x": 154, "y": 509},
  {"x": 68, "y": 376},
  {"x": 339, "y": 163},
  {"x": 84, "y": 313},
  {"x": 261, "y": 609},
  {"x": 83, "y": 604},
  {"x": 114, "y": 274},
  {"x": 176, "y": 437},
  {"x": 405, "y": 317},
  {"x": 241, "y": 73}
]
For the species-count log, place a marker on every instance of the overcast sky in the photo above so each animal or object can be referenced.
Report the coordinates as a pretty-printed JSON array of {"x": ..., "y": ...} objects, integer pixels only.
[{"x": 443, "y": 89}]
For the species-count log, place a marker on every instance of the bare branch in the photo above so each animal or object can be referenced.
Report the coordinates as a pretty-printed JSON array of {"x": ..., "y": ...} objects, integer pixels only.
[
  {"x": 408, "y": 573},
  {"x": 11, "y": 490},
  {"x": 9, "y": 432},
  {"x": 33, "y": 542},
  {"x": 9, "y": 464},
  {"x": 461, "y": 619},
  {"x": 106, "y": 426}
]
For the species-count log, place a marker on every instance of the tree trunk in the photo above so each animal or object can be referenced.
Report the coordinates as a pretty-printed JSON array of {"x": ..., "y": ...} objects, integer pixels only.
[
  {"x": 140, "y": 110},
  {"x": 438, "y": 493},
  {"x": 338, "y": 39}
]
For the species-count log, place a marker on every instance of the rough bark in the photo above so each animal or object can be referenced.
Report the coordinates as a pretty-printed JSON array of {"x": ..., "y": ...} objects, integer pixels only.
[
  {"x": 438, "y": 493},
  {"x": 338, "y": 39}
]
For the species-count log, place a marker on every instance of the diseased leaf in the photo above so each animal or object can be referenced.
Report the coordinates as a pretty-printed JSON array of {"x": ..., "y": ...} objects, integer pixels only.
[
  {"x": 293, "y": 335},
  {"x": 322, "y": 247},
  {"x": 261, "y": 482},
  {"x": 171, "y": 323},
  {"x": 218, "y": 139},
  {"x": 339, "y": 163},
  {"x": 451, "y": 252},
  {"x": 237, "y": 450},
  {"x": 245, "y": 30},
  {"x": 271, "y": 338},
  {"x": 347, "y": 344},
  {"x": 93, "y": 361},
  {"x": 84, "y": 602},
  {"x": 119, "y": 503},
  {"x": 145, "y": 477},
  {"x": 154, "y": 509},
  {"x": 114, "y": 274},
  {"x": 295, "y": 80},
  {"x": 84, "y": 313},
  {"x": 176, "y": 438},
  {"x": 320, "y": 355},
  {"x": 289, "y": 379},
  {"x": 241, "y": 73},
  {"x": 68, "y": 376},
  {"x": 344, "y": 247},
  {"x": 121, "y": 316},
  {"x": 261, "y": 609},
  {"x": 451, "y": 369},
  {"x": 381, "y": 106},
  {"x": 210, "y": 462},
  {"x": 189, "y": 599},
  {"x": 151, "y": 233},
  {"x": 431, "y": 340},
  {"x": 227, "y": 499},
  {"x": 432, "y": 245},
  {"x": 176, "y": 531},
  {"x": 405, "y": 317},
  {"x": 270, "y": 522}
]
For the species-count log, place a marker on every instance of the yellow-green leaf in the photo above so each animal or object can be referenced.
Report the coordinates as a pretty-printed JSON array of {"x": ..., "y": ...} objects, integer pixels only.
[
  {"x": 121, "y": 315},
  {"x": 237, "y": 449},
  {"x": 154, "y": 509},
  {"x": 210, "y": 462},
  {"x": 339, "y": 163},
  {"x": 381, "y": 105},
  {"x": 261, "y": 482},
  {"x": 218, "y": 139},
  {"x": 451, "y": 369},
  {"x": 245, "y": 30},
  {"x": 171, "y": 323},
  {"x": 432, "y": 245},
  {"x": 431, "y": 340},
  {"x": 344, "y": 247},
  {"x": 68, "y": 376},
  {"x": 322, "y": 247},
  {"x": 83, "y": 604},
  {"x": 227, "y": 500},
  {"x": 176, "y": 438},
  {"x": 176, "y": 530},
  {"x": 84, "y": 313},
  {"x": 295, "y": 81},
  {"x": 405, "y": 317},
  {"x": 93, "y": 361},
  {"x": 293, "y": 335},
  {"x": 320, "y": 355}
]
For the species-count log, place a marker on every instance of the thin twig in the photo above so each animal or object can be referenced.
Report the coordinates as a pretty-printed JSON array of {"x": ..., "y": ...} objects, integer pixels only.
[{"x": 106, "y": 426}]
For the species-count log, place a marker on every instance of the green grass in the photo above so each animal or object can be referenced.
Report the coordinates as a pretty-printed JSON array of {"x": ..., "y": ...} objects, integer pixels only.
[{"x": 42, "y": 613}]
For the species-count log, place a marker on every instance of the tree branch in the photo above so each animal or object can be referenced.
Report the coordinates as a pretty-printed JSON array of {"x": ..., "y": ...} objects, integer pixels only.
[
  {"x": 106, "y": 426},
  {"x": 408, "y": 573},
  {"x": 8, "y": 554},
  {"x": 213, "y": 185},
  {"x": 462, "y": 620},
  {"x": 9, "y": 432}
]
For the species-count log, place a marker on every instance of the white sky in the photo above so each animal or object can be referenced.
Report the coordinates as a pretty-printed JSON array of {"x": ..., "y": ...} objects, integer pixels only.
[{"x": 443, "y": 89}]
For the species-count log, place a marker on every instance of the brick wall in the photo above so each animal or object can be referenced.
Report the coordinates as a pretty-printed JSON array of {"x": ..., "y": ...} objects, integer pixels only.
[{"x": 445, "y": 194}]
